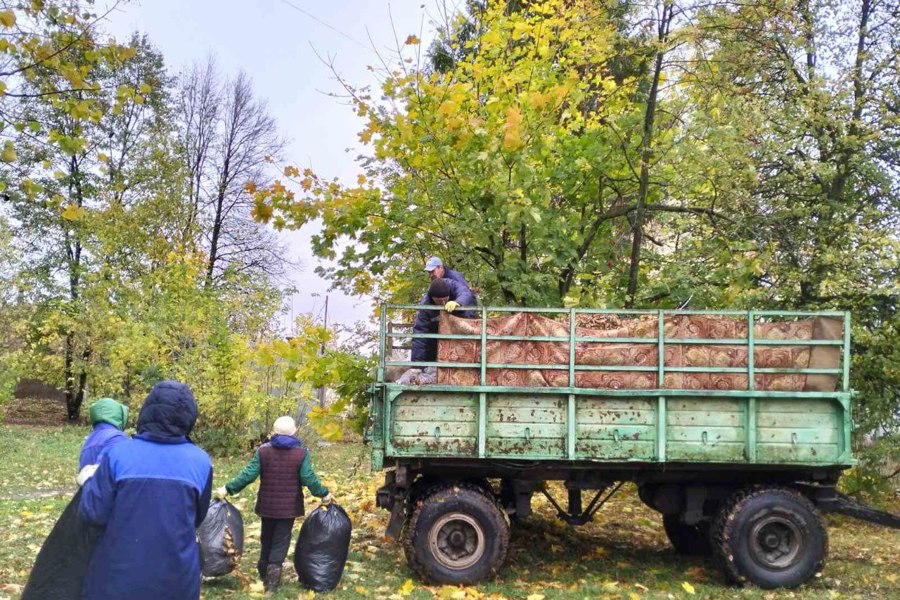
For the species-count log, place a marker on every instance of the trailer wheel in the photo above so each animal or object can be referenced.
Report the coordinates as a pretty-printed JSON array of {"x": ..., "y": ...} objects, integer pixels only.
[
  {"x": 771, "y": 537},
  {"x": 456, "y": 535},
  {"x": 690, "y": 540}
]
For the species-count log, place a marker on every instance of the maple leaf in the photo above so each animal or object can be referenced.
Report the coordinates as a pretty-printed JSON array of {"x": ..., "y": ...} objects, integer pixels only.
[
  {"x": 9, "y": 153},
  {"x": 72, "y": 213},
  {"x": 512, "y": 137}
]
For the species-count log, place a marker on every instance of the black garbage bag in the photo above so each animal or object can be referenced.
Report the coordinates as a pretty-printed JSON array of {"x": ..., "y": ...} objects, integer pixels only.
[
  {"x": 61, "y": 565},
  {"x": 322, "y": 547},
  {"x": 221, "y": 539}
]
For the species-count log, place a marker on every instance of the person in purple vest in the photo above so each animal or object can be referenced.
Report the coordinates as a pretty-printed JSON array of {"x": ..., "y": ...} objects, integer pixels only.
[{"x": 283, "y": 466}]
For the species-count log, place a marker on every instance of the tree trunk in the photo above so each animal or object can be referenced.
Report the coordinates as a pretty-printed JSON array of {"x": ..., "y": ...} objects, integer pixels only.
[
  {"x": 74, "y": 393},
  {"x": 214, "y": 241},
  {"x": 646, "y": 142},
  {"x": 73, "y": 405}
]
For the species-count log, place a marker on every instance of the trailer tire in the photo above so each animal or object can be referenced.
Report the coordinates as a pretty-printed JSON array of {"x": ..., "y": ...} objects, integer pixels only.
[
  {"x": 690, "y": 540},
  {"x": 456, "y": 535},
  {"x": 771, "y": 537}
]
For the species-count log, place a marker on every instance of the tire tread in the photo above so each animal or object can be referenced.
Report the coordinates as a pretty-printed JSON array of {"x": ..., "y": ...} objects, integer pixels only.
[
  {"x": 431, "y": 494},
  {"x": 722, "y": 530}
]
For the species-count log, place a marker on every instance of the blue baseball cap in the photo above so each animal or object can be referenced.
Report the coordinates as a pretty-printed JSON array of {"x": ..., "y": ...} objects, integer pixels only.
[{"x": 433, "y": 263}]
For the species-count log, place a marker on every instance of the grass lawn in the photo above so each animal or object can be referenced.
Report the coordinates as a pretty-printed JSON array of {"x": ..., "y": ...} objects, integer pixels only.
[{"x": 624, "y": 554}]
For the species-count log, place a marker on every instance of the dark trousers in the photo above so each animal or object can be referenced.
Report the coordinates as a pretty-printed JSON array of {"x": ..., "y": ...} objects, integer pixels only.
[{"x": 275, "y": 540}]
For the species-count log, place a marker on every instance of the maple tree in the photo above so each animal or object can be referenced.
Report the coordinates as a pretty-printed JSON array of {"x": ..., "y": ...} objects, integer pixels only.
[{"x": 653, "y": 155}]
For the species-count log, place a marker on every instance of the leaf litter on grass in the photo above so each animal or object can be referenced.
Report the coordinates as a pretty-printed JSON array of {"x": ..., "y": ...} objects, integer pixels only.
[{"x": 622, "y": 555}]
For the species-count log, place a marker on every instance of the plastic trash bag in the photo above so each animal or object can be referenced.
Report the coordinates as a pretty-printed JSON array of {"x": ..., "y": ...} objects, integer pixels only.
[
  {"x": 221, "y": 539},
  {"x": 322, "y": 547},
  {"x": 61, "y": 565}
]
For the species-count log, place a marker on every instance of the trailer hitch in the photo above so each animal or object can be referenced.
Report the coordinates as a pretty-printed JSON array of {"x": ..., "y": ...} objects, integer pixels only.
[
  {"x": 575, "y": 515},
  {"x": 845, "y": 505},
  {"x": 829, "y": 500}
]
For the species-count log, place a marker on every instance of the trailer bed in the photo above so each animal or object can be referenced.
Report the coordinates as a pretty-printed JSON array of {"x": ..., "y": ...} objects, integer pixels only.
[{"x": 656, "y": 426}]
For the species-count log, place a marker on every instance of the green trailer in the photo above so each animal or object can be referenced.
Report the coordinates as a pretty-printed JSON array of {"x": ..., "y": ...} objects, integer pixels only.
[{"x": 742, "y": 474}]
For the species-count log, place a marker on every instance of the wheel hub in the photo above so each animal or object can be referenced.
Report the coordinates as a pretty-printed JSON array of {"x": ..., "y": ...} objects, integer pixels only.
[
  {"x": 775, "y": 542},
  {"x": 457, "y": 541}
]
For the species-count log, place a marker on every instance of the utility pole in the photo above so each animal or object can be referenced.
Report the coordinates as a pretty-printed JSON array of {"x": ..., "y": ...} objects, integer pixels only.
[{"x": 322, "y": 353}]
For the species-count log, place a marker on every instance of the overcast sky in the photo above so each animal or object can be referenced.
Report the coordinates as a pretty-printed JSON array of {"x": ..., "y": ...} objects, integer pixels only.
[{"x": 273, "y": 41}]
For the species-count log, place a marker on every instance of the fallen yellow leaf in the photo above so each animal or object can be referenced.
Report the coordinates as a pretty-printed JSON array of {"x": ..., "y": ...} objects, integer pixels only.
[
  {"x": 688, "y": 587},
  {"x": 407, "y": 588},
  {"x": 448, "y": 592},
  {"x": 256, "y": 588}
]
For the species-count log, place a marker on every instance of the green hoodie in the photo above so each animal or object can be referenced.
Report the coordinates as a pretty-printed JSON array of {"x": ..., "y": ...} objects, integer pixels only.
[{"x": 107, "y": 410}]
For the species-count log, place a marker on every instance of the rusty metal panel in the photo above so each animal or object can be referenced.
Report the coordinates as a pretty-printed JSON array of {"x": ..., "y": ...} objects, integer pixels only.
[
  {"x": 617, "y": 442},
  {"x": 434, "y": 424},
  {"x": 446, "y": 423},
  {"x": 616, "y": 411},
  {"x": 805, "y": 431},
  {"x": 798, "y": 453},
  {"x": 524, "y": 426},
  {"x": 530, "y": 448},
  {"x": 592, "y": 448},
  {"x": 524, "y": 414},
  {"x": 616, "y": 429},
  {"x": 435, "y": 412},
  {"x": 434, "y": 446},
  {"x": 703, "y": 429}
]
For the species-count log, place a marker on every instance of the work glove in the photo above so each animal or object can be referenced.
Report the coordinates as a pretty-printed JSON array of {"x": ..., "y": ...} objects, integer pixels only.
[
  {"x": 327, "y": 499},
  {"x": 84, "y": 474},
  {"x": 451, "y": 306},
  {"x": 220, "y": 493}
]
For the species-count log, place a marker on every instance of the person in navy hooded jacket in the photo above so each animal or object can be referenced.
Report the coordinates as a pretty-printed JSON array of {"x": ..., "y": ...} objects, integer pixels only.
[
  {"x": 149, "y": 495},
  {"x": 436, "y": 270},
  {"x": 442, "y": 292}
]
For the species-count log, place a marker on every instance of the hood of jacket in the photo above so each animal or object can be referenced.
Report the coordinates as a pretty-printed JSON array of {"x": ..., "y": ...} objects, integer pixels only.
[
  {"x": 284, "y": 441},
  {"x": 107, "y": 410},
  {"x": 168, "y": 414}
]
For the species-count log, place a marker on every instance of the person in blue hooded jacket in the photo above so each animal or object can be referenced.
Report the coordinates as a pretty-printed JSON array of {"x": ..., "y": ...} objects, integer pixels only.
[
  {"x": 149, "y": 495},
  {"x": 442, "y": 292}
]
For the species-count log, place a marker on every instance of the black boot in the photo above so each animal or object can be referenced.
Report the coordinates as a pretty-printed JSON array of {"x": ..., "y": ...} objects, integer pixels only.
[
  {"x": 273, "y": 579},
  {"x": 261, "y": 569}
]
